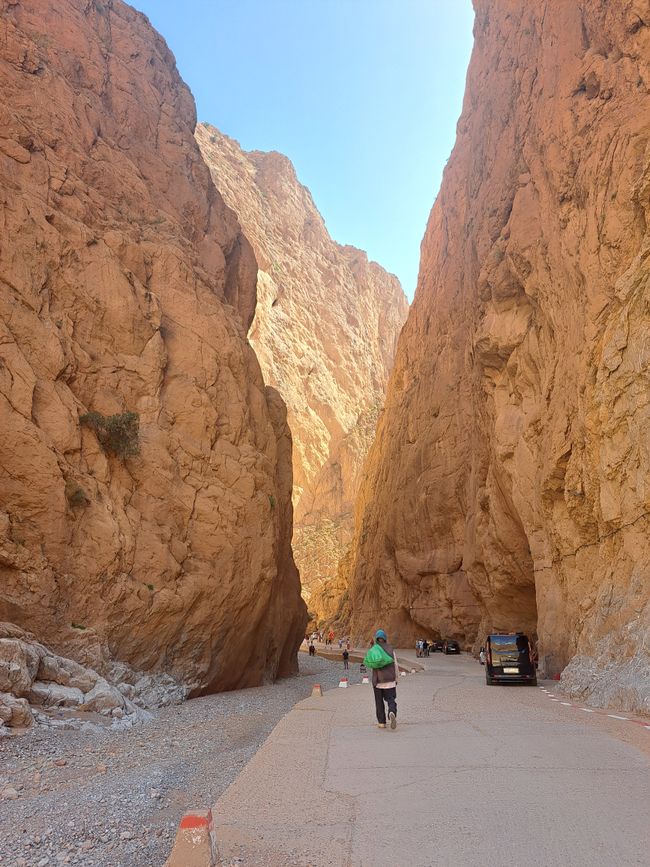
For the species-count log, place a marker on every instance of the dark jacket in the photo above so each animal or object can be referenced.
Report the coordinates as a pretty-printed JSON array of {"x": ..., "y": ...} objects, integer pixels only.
[{"x": 387, "y": 673}]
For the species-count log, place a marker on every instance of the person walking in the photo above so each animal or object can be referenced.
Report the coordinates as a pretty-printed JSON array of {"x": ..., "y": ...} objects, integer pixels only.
[
  {"x": 346, "y": 657},
  {"x": 384, "y": 684},
  {"x": 312, "y": 649}
]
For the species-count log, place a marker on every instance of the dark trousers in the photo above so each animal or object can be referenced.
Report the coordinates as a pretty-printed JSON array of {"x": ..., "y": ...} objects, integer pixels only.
[
  {"x": 385, "y": 695},
  {"x": 345, "y": 664}
]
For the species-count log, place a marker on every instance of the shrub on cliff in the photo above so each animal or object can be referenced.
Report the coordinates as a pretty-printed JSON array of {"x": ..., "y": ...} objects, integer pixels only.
[{"x": 117, "y": 434}]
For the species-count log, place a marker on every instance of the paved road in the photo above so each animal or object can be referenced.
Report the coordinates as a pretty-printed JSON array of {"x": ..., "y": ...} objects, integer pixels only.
[{"x": 474, "y": 775}]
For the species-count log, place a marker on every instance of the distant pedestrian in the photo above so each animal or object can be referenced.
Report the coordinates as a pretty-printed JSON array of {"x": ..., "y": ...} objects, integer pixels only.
[
  {"x": 346, "y": 657},
  {"x": 425, "y": 647},
  {"x": 340, "y": 643},
  {"x": 384, "y": 683},
  {"x": 347, "y": 644},
  {"x": 312, "y": 649}
]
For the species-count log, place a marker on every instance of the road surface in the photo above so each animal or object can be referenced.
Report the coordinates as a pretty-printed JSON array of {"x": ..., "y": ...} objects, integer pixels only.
[{"x": 473, "y": 775}]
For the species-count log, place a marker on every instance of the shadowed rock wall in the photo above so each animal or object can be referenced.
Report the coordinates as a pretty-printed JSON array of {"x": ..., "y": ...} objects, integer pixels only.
[
  {"x": 127, "y": 285},
  {"x": 509, "y": 483}
]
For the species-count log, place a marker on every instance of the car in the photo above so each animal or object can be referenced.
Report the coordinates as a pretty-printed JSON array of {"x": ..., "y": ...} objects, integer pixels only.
[
  {"x": 437, "y": 645},
  {"x": 509, "y": 659},
  {"x": 450, "y": 646}
]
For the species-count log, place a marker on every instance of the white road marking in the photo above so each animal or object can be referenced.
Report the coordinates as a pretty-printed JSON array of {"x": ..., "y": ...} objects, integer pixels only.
[
  {"x": 555, "y": 699},
  {"x": 566, "y": 703},
  {"x": 587, "y": 710},
  {"x": 614, "y": 716}
]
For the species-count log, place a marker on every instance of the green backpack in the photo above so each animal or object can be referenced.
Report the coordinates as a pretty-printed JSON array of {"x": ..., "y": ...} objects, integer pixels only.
[{"x": 377, "y": 657}]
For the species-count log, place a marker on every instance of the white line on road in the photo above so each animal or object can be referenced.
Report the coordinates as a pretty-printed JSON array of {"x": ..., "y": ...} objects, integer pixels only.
[
  {"x": 614, "y": 716},
  {"x": 566, "y": 703},
  {"x": 555, "y": 699},
  {"x": 587, "y": 710}
]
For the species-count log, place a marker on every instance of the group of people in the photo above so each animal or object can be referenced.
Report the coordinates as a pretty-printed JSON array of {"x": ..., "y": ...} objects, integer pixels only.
[
  {"x": 329, "y": 639},
  {"x": 422, "y": 647}
]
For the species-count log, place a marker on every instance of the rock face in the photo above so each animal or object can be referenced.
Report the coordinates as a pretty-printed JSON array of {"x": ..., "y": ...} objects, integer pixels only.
[
  {"x": 509, "y": 484},
  {"x": 126, "y": 285},
  {"x": 325, "y": 331}
]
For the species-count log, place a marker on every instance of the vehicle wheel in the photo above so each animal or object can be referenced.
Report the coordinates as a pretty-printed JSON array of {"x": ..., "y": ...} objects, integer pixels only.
[
  {"x": 533, "y": 682},
  {"x": 488, "y": 680}
]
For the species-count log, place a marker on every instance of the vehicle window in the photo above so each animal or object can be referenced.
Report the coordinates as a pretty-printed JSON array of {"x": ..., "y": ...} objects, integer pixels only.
[{"x": 509, "y": 648}]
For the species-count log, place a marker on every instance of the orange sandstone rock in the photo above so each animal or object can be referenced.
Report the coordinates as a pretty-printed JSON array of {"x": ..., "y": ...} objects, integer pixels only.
[
  {"x": 127, "y": 285},
  {"x": 509, "y": 483},
  {"x": 325, "y": 331}
]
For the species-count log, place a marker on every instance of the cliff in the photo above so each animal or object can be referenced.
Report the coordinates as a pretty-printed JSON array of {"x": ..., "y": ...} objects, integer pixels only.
[
  {"x": 325, "y": 331},
  {"x": 509, "y": 484},
  {"x": 127, "y": 286}
]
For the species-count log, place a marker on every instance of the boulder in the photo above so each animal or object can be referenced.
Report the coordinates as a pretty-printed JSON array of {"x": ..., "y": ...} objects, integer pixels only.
[
  {"x": 103, "y": 698},
  {"x": 67, "y": 672},
  {"x": 15, "y": 712},
  {"x": 19, "y": 662},
  {"x": 55, "y": 695}
]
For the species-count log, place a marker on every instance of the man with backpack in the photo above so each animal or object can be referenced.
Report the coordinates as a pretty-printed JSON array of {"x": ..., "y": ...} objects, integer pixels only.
[{"x": 385, "y": 671}]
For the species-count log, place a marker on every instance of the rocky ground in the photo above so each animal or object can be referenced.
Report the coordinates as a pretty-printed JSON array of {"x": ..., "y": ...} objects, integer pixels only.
[{"x": 114, "y": 798}]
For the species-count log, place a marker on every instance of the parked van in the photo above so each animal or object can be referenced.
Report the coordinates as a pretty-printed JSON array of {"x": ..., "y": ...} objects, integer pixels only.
[{"x": 509, "y": 659}]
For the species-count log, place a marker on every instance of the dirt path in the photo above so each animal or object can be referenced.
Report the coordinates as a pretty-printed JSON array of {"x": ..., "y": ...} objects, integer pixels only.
[{"x": 113, "y": 799}]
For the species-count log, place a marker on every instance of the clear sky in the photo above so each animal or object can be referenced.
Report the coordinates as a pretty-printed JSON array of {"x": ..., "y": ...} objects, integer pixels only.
[{"x": 362, "y": 95}]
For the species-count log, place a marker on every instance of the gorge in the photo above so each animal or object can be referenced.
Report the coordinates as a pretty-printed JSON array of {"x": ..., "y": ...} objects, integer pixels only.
[{"x": 198, "y": 383}]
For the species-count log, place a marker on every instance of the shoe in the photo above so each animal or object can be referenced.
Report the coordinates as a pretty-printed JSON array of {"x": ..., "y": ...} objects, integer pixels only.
[
  {"x": 393, "y": 720},
  {"x": 381, "y": 725}
]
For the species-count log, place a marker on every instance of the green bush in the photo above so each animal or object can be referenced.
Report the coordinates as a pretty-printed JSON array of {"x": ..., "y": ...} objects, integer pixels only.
[
  {"x": 75, "y": 494},
  {"x": 117, "y": 434}
]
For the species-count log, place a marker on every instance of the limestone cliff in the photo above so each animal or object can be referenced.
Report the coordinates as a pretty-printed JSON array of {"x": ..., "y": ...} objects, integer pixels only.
[
  {"x": 126, "y": 286},
  {"x": 325, "y": 331},
  {"x": 509, "y": 484}
]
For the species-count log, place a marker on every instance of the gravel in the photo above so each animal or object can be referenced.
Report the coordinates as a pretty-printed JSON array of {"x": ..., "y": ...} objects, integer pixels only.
[{"x": 114, "y": 798}]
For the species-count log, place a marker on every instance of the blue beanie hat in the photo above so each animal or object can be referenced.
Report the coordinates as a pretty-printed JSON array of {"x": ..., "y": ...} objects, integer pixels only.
[{"x": 381, "y": 634}]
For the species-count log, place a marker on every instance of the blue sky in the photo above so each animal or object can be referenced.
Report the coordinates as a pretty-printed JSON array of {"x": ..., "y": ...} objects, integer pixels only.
[{"x": 362, "y": 95}]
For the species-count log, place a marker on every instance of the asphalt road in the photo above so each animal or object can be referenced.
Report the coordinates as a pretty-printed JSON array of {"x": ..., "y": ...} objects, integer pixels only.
[{"x": 473, "y": 775}]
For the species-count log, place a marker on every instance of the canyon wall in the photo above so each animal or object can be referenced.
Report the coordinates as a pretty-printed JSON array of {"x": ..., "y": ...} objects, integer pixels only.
[
  {"x": 325, "y": 331},
  {"x": 127, "y": 286},
  {"x": 509, "y": 483}
]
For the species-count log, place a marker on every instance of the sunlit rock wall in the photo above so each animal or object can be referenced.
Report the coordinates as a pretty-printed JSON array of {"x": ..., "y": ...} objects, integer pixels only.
[
  {"x": 325, "y": 331},
  {"x": 127, "y": 285},
  {"x": 509, "y": 484}
]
